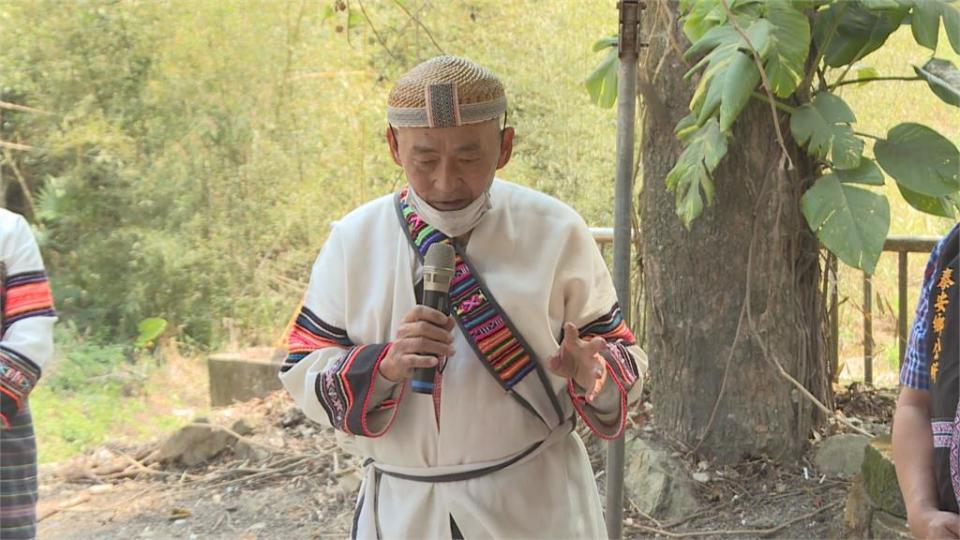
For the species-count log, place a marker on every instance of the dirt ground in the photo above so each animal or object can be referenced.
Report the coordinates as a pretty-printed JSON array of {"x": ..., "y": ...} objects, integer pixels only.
[{"x": 286, "y": 478}]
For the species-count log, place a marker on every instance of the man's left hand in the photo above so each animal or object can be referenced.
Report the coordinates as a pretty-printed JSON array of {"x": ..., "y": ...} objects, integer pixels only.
[{"x": 581, "y": 361}]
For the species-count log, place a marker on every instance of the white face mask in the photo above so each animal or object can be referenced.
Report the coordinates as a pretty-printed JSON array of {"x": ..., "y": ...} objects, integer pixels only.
[{"x": 453, "y": 223}]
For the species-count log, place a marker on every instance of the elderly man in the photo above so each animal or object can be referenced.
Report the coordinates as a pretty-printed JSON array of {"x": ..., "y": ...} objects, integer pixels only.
[
  {"x": 26, "y": 343},
  {"x": 926, "y": 427},
  {"x": 535, "y": 338}
]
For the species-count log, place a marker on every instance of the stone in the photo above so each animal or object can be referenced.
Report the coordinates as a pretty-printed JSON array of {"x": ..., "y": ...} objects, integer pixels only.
[
  {"x": 841, "y": 454},
  {"x": 194, "y": 444},
  {"x": 657, "y": 482},
  {"x": 252, "y": 452},
  {"x": 241, "y": 428},
  {"x": 880, "y": 477},
  {"x": 244, "y": 375}
]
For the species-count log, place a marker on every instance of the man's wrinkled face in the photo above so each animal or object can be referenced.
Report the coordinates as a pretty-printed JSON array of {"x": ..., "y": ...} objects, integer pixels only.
[{"x": 450, "y": 167}]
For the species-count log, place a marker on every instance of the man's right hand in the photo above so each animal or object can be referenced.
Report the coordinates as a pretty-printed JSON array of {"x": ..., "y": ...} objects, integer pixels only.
[
  {"x": 424, "y": 331},
  {"x": 935, "y": 524}
]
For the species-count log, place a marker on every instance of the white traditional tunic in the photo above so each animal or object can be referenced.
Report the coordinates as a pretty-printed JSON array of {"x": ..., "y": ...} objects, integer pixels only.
[
  {"x": 493, "y": 447},
  {"x": 26, "y": 344},
  {"x": 28, "y": 316}
]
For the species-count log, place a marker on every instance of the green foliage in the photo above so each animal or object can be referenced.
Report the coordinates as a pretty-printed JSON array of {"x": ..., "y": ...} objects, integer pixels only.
[
  {"x": 925, "y": 22},
  {"x": 727, "y": 38},
  {"x": 789, "y": 47},
  {"x": 824, "y": 126},
  {"x": 920, "y": 159},
  {"x": 90, "y": 391},
  {"x": 83, "y": 364},
  {"x": 851, "y": 221},
  {"x": 705, "y": 147},
  {"x": 150, "y": 329},
  {"x": 602, "y": 83},
  {"x": 943, "y": 78},
  {"x": 865, "y": 173},
  {"x": 195, "y": 153},
  {"x": 849, "y": 31}
]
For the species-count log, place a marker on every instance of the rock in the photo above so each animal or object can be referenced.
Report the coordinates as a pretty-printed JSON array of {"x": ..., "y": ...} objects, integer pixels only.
[
  {"x": 244, "y": 375},
  {"x": 841, "y": 454},
  {"x": 701, "y": 477},
  {"x": 241, "y": 428},
  {"x": 292, "y": 417},
  {"x": 858, "y": 512},
  {"x": 245, "y": 450},
  {"x": 194, "y": 444},
  {"x": 880, "y": 478},
  {"x": 658, "y": 483}
]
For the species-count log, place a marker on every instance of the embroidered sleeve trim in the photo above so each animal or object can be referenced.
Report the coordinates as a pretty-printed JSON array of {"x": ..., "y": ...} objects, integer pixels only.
[
  {"x": 27, "y": 295},
  {"x": 18, "y": 376},
  {"x": 621, "y": 367},
  {"x": 345, "y": 386},
  {"x": 310, "y": 333},
  {"x": 606, "y": 432}
]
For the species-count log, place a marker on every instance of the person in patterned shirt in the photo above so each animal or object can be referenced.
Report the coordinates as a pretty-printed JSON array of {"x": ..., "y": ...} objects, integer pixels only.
[{"x": 926, "y": 426}]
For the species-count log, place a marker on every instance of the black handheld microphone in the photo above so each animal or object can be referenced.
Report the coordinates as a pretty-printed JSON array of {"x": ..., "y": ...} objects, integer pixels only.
[{"x": 437, "y": 273}]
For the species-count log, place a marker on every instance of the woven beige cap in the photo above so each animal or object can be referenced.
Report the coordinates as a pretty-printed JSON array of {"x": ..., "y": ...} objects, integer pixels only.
[{"x": 446, "y": 91}]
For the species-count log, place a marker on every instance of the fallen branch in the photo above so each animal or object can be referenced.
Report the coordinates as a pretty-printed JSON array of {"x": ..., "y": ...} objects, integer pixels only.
[
  {"x": 738, "y": 532},
  {"x": 264, "y": 474},
  {"x": 79, "y": 499}
]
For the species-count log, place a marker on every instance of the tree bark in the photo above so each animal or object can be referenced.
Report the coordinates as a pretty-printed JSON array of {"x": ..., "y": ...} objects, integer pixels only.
[{"x": 697, "y": 281}]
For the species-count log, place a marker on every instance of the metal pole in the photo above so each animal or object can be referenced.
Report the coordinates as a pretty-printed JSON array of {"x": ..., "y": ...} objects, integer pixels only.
[{"x": 628, "y": 47}]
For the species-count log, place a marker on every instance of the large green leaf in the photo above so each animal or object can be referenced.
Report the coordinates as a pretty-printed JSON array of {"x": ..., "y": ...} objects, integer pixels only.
[
  {"x": 703, "y": 15},
  {"x": 858, "y": 30},
  {"x": 937, "y": 206},
  {"x": 738, "y": 84},
  {"x": 943, "y": 78},
  {"x": 789, "y": 45},
  {"x": 149, "y": 330},
  {"x": 925, "y": 22},
  {"x": 824, "y": 126},
  {"x": 865, "y": 173},
  {"x": 692, "y": 173},
  {"x": 921, "y": 159},
  {"x": 731, "y": 74},
  {"x": 602, "y": 83},
  {"x": 850, "y": 221}
]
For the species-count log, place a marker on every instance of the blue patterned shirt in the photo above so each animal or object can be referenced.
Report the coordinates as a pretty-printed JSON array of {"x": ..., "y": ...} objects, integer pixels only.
[{"x": 916, "y": 366}]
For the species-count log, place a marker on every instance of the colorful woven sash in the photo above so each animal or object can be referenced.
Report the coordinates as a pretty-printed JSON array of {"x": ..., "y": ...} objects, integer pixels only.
[{"x": 493, "y": 337}]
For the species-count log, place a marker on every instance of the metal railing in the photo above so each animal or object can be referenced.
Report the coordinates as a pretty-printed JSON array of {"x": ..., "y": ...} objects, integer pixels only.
[{"x": 902, "y": 246}]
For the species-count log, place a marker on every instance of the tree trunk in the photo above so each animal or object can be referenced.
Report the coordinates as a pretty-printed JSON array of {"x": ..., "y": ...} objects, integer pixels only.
[{"x": 697, "y": 281}]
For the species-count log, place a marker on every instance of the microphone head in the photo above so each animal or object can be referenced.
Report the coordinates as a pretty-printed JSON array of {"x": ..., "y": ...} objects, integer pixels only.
[
  {"x": 438, "y": 266},
  {"x": 440, "y": 255}
]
